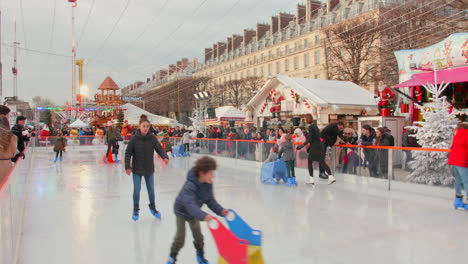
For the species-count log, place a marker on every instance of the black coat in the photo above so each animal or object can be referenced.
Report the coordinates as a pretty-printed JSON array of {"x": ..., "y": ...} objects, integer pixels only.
[
  {"x": 330, "y": 134},
  {"x": 140, "y": 150},
  {"x": 193, "y": 196},
  {"x": 18, "y": 131},
  {"x": 382, "y": 154},
  {"x": 315, "y": 147},
  {"x": 368, "y": 141}
]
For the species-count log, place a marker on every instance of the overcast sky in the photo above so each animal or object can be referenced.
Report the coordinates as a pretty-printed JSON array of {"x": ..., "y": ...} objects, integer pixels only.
[{"x": 174, "y": 29}]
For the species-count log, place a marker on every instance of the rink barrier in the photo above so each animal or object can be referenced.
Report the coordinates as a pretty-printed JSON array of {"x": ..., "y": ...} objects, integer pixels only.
[
  {"x": 270, "y": 142},
  {"x": 18, "y": 161},
  {"x": 395, "y": 157}
]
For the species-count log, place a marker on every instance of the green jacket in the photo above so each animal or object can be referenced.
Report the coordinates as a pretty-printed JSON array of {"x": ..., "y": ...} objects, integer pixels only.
[
  {"x": 167, "y": 143},
  {"x": 111, "y": 134}
]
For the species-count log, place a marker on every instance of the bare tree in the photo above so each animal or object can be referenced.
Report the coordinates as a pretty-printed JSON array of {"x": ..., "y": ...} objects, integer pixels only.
[
  {"x": 236, "y": 92},
  {"x": 42, "y": 101},
  {"x": 252, "y": 85},
  {"x": 351, "y": 49}
]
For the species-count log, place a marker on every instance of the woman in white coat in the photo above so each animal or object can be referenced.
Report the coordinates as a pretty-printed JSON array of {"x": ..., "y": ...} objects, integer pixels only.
[{"x": 301, "y": 155}]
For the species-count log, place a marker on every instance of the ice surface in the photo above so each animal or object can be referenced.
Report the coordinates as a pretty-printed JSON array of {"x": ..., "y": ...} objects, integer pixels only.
[{"x": 79, "y": 211}]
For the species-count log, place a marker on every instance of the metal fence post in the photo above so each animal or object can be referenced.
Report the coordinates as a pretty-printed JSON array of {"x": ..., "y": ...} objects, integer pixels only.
[
  {"x": 390, "y": 168},
  {"x": 237, "y": 149},
  {"x": 216, "y": 147}
]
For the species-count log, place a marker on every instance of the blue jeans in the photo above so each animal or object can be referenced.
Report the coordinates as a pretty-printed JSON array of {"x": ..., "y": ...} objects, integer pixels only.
[
  {"x": 149, "y": 180},
  {"x": 461, "y": 179}
]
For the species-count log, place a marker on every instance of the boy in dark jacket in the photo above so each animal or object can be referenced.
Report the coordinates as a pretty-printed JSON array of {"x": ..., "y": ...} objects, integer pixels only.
[
  {"x": 197, "y": 191},
  {"x": 139, "y": 161}
]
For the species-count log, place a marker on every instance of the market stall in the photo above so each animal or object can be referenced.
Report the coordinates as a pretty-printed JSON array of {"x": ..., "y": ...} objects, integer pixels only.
[
  {"x": 228, "y": 116},
  {"x": 285, "y": 99},
  {"x": 133, "y": 113},
  {"x": 443, "y": 62}
]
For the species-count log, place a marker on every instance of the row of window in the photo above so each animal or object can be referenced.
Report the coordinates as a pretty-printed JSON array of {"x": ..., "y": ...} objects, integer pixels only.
[
  {"x": 280, "y": 51},
  {"x": 260, "y": 71},
  {"x": 275, "y": 68}
]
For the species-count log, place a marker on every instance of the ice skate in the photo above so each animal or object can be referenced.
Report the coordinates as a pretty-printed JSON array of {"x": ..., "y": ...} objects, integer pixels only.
[
  {"x": 171, "y": 260},
  {"x": 331, "y": 179},
  {"x": 154, "y": 212},
  {"x": 459, "y": 203},
  {"x": 311, "y": 181}
]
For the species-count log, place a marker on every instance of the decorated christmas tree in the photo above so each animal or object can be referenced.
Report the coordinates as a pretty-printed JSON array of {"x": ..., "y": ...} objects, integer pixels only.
[{"x": 435, "y": 131}]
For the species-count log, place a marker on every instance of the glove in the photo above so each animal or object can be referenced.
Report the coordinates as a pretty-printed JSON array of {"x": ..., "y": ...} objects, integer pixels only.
[
  {"x": 25, "y": 132},
  {"x": 300, "y": 147}
]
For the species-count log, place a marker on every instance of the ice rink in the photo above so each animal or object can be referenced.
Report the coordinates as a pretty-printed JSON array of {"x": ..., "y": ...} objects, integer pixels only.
[{"x": 79, "y": 211}]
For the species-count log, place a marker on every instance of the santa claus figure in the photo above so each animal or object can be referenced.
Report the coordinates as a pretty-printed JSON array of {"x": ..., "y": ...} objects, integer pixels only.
[
  {"x": 386, "y": 95},
  {"x": 276, "y": 108},
  {"x": 45, "y": 132}
]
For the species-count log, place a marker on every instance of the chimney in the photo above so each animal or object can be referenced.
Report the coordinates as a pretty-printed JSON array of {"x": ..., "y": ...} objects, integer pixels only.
[
  {"x": 195, "y": 62},
  {"x": 208, "y": 54},
  {"x": 284, "y": 20},
  {"x": 332, "y": 4},
  {"x": 179, "y": 65},
  {"x": 274, "y": 25},
  {"x": 262, "y": 29},
  {"x": 185, "y": 63},
  {"x": 248, "y": 36},
  {"x": 229, "y": 44},
  {"x": 236, "y": 41},
  {"x": 215, "y": 51},
  {"x": 162, "y": 74},
  {"x": 312, "y": 8},
  {"x": 221, "y": 48},
  {"x": 172, "y": 69},
  {"x": 300, "y": 14}
]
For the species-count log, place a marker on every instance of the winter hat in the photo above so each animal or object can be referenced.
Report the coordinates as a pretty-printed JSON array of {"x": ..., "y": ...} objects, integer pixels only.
[
  {"x": 348, "y": 130},
  {"x": 298, "y": 132},
  {"x": 109, "y": 123},
  {"x": 46, "y": 128}
]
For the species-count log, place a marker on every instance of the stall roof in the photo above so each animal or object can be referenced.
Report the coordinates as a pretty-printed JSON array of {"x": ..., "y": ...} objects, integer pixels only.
[
  {"x": 78, "y": 124},
  {"x": 454, "y": 75},
  {"x": 229, "y": 111},
  {"x": 322, "y": 92},
  {"x": 133, "y": 113}
]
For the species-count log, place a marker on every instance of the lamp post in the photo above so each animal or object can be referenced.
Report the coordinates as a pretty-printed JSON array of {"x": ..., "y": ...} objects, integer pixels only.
[{"x": 202, "y": 99}]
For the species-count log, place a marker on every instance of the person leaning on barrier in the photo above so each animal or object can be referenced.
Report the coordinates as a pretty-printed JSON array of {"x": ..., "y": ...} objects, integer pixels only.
[
  {"x": 22, "y": 134},
  {"x": 7, "y": 147},
  {"x": 329, "y": 136},
  {"x": 386, "y": 140},
  {"x": 368, "y": 139}
]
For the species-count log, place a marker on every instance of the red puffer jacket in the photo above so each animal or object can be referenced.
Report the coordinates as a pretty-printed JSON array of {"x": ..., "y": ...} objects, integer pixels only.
[{"x": 459, "y": 154}]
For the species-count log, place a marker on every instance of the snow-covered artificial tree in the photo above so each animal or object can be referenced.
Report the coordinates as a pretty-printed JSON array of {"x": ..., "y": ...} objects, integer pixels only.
[{"x": 435, "y": 131}]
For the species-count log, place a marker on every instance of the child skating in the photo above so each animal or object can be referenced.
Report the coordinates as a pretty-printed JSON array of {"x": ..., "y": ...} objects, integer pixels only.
[
  {"x": 197, "y": 191},
  {"x": 287, "y": 153},
  {"x": 59, "y": 146}
]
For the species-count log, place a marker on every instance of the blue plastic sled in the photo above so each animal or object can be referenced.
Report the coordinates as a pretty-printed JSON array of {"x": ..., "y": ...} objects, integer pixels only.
[
  {"x": 242, "y": 230},
  {"x": 179, "y": 151},
  {"x": 267, "y": 173},
  {"x": 280, "y": 171}
]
